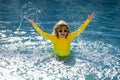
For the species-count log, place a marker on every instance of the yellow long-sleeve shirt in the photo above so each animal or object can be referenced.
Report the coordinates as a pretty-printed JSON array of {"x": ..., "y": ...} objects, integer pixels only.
[{"x": 62, "y": 45}]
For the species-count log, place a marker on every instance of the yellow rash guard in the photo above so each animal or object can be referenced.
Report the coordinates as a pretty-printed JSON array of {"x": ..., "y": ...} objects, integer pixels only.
[{"x": 62, "y": 45}]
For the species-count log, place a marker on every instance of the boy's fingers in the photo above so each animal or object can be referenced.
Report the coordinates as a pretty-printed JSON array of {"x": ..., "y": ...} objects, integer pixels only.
[{"x": 30, "y": 20}]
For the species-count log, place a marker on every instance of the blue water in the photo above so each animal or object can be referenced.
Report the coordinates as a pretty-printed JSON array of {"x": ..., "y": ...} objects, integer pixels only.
[{"x": 25, "y": 55}]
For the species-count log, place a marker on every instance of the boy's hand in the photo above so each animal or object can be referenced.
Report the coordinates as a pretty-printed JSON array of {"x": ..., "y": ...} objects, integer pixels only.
[
  {"x": 31, "y": 21},
  {"x": 91, "y": 16}
]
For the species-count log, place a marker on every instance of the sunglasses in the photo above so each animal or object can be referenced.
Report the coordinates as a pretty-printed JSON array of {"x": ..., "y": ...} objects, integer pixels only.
[{"x": 62, "y": 31}]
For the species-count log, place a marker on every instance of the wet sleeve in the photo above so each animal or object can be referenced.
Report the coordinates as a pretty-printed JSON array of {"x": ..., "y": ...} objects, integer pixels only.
[
  {"x": 42, "y": 33},
  {"x": 80, "y": 29}
]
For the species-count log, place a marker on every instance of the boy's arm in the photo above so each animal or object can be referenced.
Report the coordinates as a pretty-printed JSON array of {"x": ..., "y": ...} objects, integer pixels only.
[
  {"x": 44, "y": 34},
  {"x": 82, "y": 27}
]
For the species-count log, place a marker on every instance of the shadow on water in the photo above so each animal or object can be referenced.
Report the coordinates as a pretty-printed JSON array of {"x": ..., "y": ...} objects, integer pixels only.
[
  {"x": 90, "y": 77},
  {"x": 70, "y": 61}
]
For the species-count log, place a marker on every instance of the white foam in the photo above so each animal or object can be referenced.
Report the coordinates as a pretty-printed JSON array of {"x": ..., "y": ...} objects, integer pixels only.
[
  {"x": 13, "y": 39},
  {"x": 2, "y": 35},
  {"x": 20, "y": 32},
  {"x": 30, "y": 43}
]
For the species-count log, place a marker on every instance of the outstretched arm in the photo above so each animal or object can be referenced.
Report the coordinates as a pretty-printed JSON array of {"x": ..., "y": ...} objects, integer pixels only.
[
  {"x": 44, "y": 34},
  {"x": 83, "y": 26}
]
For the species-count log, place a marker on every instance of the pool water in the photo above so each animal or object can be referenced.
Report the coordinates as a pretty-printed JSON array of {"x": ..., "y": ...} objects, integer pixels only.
[{"x": 25, "y": 55}]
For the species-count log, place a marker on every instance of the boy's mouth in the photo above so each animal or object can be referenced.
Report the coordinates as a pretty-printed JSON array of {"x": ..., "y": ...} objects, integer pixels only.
[{"x": 62, "y": 34}]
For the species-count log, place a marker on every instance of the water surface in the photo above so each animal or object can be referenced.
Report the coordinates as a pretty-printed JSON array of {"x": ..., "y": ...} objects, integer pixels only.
[{"x": 25, "y": 55}]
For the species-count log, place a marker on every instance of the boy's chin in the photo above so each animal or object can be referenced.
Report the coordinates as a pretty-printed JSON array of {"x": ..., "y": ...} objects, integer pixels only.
[{"x": 62, "y": 36}]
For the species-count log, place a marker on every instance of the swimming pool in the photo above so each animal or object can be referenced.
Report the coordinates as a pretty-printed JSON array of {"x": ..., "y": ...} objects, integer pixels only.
[{"x": 25, "y": 55}]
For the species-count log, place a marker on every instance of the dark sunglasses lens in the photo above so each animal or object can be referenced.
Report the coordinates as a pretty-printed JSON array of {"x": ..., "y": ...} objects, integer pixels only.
[
  {"x": 65, "y": 30},
  {"x": 60, "y": 30}
]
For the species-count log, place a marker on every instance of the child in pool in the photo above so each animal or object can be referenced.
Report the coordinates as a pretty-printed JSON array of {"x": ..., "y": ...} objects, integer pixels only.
[{"x": 61, "y": 37}]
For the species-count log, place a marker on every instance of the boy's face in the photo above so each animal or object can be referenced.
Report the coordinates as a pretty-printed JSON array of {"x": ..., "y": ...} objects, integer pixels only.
[{"x": 62, "y": 32}]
